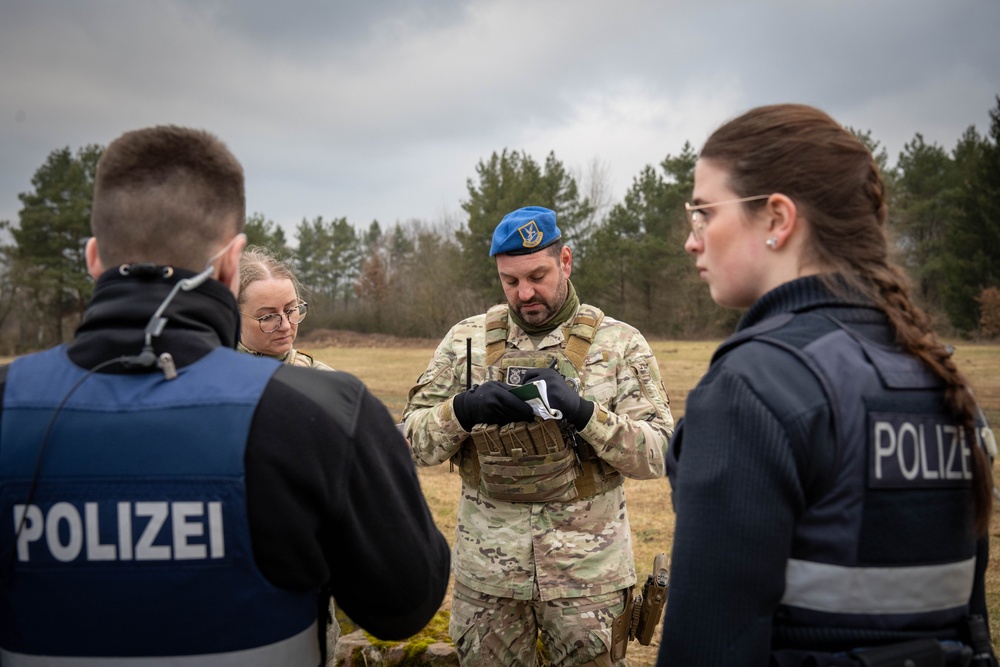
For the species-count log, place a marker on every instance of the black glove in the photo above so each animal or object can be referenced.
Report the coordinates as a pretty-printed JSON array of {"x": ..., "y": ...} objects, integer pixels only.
[
  {"x": 576, "y": 409},
  {"x": 490, "y": 403}
]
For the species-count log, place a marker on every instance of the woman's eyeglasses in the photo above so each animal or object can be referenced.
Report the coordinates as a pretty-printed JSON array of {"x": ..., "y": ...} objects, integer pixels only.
[
  {"x": 697, "y": 218},
  {"x": 272, "y": 322}
]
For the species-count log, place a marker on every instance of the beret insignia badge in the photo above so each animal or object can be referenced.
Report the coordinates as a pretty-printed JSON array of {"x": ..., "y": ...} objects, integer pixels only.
[{"x": 531, "y": 235}]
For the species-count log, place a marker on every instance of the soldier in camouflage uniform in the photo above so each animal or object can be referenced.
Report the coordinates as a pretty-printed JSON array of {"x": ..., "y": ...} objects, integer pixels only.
[
  {"x": 271, "y": 307},
  {"x": 543, "y": 542}
]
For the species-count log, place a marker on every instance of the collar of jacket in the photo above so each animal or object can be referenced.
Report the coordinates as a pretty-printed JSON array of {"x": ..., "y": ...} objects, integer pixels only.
[
  {"x": 115, "y": 320},
  {"x": 285, "y": 358},
  {"x": 802, "y": 295}
]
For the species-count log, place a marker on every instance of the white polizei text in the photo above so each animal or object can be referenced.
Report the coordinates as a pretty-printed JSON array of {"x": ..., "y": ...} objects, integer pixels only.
[{"x": 187, "y": 530}]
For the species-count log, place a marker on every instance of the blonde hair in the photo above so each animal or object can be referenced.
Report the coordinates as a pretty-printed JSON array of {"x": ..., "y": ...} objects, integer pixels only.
[{"x": 259, "y": 263}]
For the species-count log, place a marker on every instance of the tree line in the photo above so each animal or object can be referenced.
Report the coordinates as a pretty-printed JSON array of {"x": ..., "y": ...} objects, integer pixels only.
[{"x": 416, "y": 278}]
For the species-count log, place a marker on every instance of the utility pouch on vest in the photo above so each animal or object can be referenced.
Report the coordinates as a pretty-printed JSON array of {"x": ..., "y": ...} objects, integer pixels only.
[
  {"x": 486, "y": 438},
  {"x": 525, "y": 462},
  {"x": 596, "y": 475}
]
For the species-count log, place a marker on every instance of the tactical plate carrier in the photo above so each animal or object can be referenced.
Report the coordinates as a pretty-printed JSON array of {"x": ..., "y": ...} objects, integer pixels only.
[{"x": 543, "y": 460}]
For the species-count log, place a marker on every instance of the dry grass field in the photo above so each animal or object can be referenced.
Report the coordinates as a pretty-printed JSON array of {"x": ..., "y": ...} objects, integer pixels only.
[{"x": 391, "y": 367}]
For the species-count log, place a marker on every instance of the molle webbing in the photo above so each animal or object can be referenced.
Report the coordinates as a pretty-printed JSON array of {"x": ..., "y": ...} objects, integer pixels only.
[
  {"x": 526, "y": 462},
  {"x": 496, "y": 334},
  {"x": 534, "y": 462},
  {"x": 579, "y": 334},
  {"x": 592, "y": 475}
]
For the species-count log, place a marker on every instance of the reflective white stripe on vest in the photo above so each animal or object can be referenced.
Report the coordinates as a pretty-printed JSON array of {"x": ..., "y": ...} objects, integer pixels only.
[
  {"x": 302, "y": 649},
  {"x": 878, "y": 590}
]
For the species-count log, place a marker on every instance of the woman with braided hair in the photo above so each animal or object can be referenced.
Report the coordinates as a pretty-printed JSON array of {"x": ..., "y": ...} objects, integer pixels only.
[{"x": 830, "y": 478}]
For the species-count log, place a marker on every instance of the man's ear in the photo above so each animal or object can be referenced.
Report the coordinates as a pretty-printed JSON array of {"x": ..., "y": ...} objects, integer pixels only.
[
  {"x": 94, "y": 265},
  {"x": 229, "y": 265},
  {"x": 566, "y": 260}
]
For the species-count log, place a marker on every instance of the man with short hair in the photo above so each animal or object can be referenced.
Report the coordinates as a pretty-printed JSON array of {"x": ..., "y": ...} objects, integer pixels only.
[
  {"x": 165, "y": 499},
  {"x": 542, "y": 543}
]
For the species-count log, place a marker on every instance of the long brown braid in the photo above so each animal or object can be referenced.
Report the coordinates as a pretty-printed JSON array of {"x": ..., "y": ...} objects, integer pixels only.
[{"x": 835, "y": 183}]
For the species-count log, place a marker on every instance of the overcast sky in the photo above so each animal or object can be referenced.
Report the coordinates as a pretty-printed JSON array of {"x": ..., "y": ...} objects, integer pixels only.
[{"x": 382, "y": 109}]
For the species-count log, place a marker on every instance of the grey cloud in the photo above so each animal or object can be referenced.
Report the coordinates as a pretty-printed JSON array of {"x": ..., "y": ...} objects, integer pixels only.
[{"x": 382, "y": 110}]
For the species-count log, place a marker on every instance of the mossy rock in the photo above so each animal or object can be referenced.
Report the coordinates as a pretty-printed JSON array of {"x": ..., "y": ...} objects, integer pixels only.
[
  {"x": 412, "y": 649},
  {"x": 347, "y": 626},
  {"x": 435, "y": 632}
]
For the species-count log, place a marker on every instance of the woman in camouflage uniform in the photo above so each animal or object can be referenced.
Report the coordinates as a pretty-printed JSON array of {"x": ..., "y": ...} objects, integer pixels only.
[{"x": 271, "y": 307}]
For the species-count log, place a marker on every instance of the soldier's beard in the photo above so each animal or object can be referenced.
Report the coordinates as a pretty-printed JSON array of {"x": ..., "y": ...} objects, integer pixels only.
[
  {"x": 550, "y": 308},
  {"x": 536, "y": 317}
]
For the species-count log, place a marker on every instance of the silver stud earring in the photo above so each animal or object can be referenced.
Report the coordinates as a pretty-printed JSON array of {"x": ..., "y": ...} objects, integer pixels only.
[{"x": 772, "y": 243}]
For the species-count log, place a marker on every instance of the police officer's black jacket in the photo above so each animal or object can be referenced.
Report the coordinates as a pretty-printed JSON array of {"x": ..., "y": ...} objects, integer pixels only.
[
  {"x": 756, "y": 450},
  {"x": 332, "y": 495}
]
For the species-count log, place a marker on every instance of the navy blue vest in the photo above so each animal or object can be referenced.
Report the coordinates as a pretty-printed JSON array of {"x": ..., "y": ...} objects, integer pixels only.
[
  {"x": 136, "y": 540},
  {"x": 889, "y": 545}
]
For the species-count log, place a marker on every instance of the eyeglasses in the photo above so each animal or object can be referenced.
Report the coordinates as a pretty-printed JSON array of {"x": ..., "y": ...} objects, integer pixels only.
[
  {"x": 272, "y": 322},
  {"x": 697, "y": 217}
]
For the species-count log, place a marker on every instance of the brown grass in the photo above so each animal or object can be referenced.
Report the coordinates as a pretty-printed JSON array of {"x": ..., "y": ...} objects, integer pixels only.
[{"x": 390, "y": 367}]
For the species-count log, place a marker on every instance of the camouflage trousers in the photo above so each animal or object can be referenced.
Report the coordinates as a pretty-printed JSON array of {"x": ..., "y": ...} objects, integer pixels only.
[{"x": 490, "y": 631}]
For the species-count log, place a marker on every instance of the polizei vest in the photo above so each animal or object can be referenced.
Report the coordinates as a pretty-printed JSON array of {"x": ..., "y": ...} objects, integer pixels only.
[
  {"x": 888, "y": 546},
  {"x": 542, "y": 461},
  {"x": 127, "y": 536}
]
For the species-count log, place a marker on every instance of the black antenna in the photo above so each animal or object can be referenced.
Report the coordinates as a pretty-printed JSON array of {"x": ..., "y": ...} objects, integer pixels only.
[{"x": 468, "y": 364}]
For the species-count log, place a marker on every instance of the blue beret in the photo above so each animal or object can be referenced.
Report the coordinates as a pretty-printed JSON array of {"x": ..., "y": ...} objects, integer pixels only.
[{"x": 524, "y": 231}]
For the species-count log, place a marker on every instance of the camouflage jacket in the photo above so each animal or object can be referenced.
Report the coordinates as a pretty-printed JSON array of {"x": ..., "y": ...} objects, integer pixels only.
[
  {"x": 293, "y": 358},
  {"x": 572, "y": 549}
]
